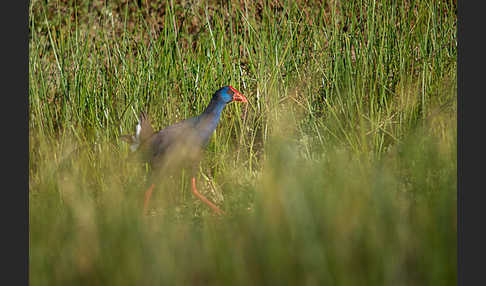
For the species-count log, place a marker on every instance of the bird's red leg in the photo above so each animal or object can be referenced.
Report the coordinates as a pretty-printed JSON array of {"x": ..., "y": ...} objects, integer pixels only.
[
  {"x": 148, "y": 194},
  {"x": 203, "y": 198}
]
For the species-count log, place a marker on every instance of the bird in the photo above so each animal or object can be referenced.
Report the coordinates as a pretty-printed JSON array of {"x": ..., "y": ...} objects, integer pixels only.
[{"x": 179, "y": 146}]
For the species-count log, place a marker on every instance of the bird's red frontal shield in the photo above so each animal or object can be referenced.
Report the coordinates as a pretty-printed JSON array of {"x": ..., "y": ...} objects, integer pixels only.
[{"x": 238, "y": 96}]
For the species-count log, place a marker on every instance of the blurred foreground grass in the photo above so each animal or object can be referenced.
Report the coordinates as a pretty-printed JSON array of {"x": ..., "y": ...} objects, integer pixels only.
[
  {"x": 333, "y": 220},
  {"x": 341, "y": 170}
]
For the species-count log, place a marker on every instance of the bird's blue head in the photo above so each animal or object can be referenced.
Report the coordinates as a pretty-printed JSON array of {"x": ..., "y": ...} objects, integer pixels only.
[{"x": 227, "y": 94}]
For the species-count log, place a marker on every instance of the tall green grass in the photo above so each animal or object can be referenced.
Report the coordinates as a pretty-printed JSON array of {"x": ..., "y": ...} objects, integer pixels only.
[{"x": 340, "y": 170}]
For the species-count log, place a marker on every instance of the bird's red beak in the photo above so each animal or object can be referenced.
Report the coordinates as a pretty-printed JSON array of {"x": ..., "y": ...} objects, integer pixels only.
[{"x": 238, "y": 96}]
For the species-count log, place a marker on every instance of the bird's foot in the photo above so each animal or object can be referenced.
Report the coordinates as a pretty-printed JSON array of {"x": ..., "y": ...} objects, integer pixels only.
[
  {"x": 204, "y": 199},
  {"x": 148, "y": 194}
]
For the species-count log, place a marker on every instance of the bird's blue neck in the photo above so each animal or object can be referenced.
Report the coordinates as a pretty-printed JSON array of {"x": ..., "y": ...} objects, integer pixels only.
[{"x": 209, "y": 119}]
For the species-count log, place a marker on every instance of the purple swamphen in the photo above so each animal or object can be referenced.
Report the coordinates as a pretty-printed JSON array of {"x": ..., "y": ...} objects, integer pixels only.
[{"x": 180, "y": 145}]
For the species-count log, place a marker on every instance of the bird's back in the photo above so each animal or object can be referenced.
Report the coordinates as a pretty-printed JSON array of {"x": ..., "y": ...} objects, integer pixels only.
[{"x": 174, "y": 147}]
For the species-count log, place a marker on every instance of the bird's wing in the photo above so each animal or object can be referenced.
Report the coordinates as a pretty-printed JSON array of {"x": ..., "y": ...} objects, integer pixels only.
[{"x": 178, "y": 133}]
